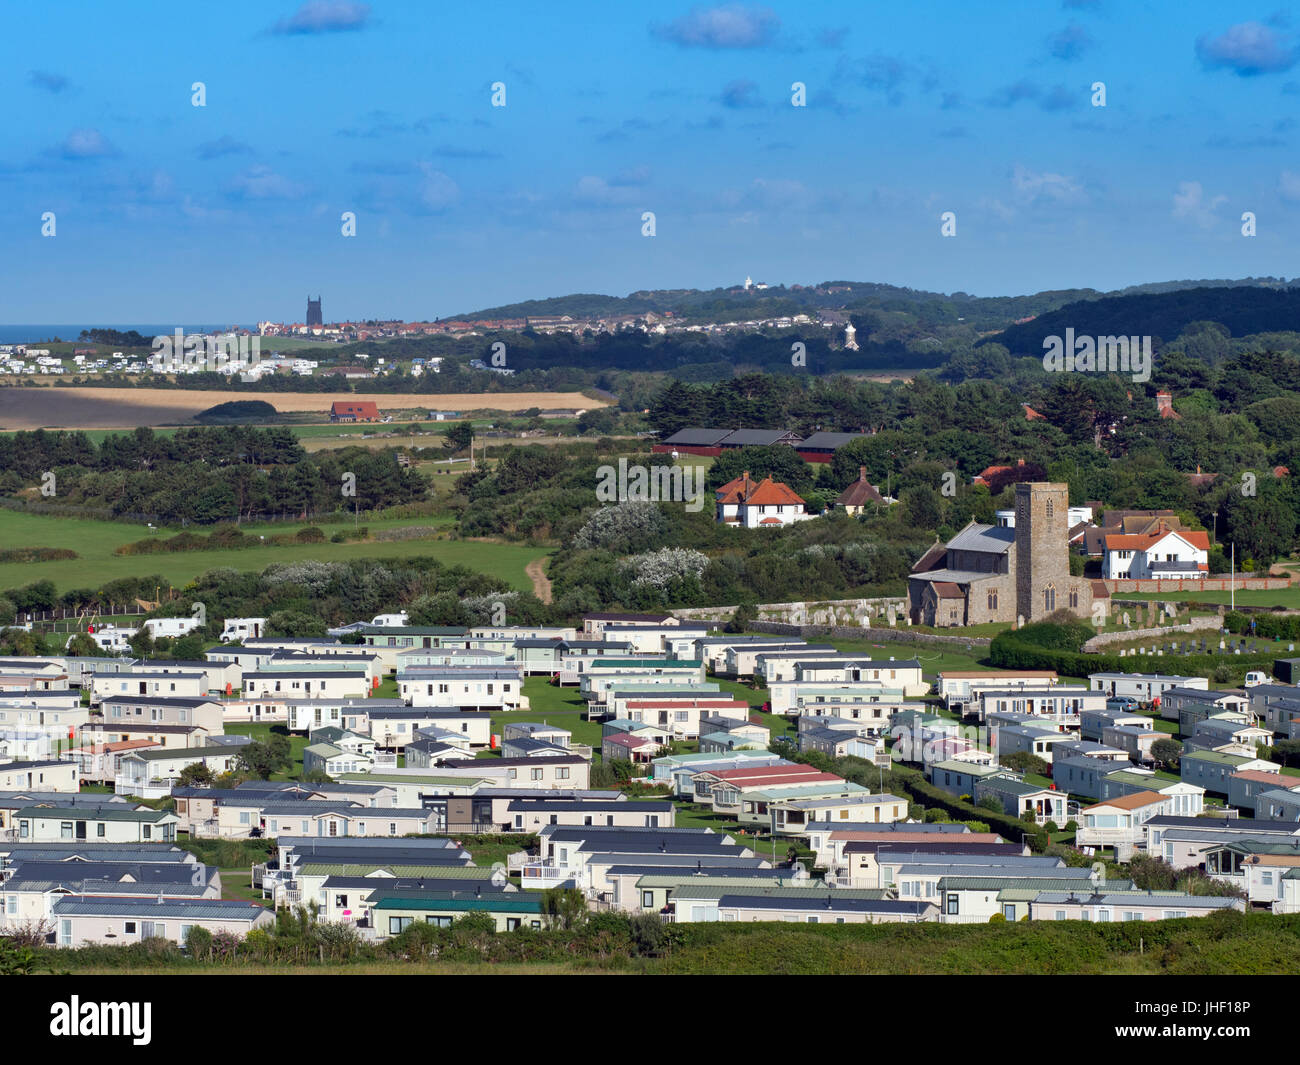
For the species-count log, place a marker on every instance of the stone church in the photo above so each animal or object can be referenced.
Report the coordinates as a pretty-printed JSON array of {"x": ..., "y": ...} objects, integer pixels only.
[{"x": 996, "y": 573}]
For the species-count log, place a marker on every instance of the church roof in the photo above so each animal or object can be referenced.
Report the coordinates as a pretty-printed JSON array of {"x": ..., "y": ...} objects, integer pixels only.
[{"x": 995, "y": 539}]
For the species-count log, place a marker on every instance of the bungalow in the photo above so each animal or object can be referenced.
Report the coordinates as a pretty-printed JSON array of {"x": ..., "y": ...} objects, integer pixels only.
[
  {"x": 1118, "y": 822},
  {"x": 959, "y": 778},
  {"x": 1126, "y": 906},
  {"x": 1227, "y": 733},
  {"x": 1018, "y": 798},
  {"x": 793, "y": 816},
  {"x": 1144, "y": 687},
  {"x": 219, "y": 677},
  {"x": 317, "y": 683},
  {"x": 150, "y": 774},
  {"x": 1186, "y": 800},
  {"x": 679, "y": 714},
  {"x": 765, "y": 504},
  {"x": 1134, "y": 740},
  {"x": 393, "y": 728},
  {"x": 1059, "y": 705},
  {"x": 625, "y": 747},
  {"x": 392, "y": 913},
  {"x": 39, "y": 776},
  {"x": 99, "y": 763},
  {"x": 187, "y": 684},
  {"x": 1246, "y": 785},
  {"x": 333, "y": 760},
  {"x": 1093, "y": 722},
  {"x": 198, "y": 710},
  {"x": 959, "y": 687},
  {"x": 354, "y": 411},
  {"x": 772, "y": 666},
  {"x": 1185, "y": 842},
  {"x": 166, "y": 736},
  {"x": 530, "y": 814},
  {"x": 1028, "y": 740},
  {"x": 837, "y": 743},
  {"x": 1211, "y": 769},
  {"x": 463, "y": 688},
  {"x": 1279, "y": 804},
  {"x": 562, "y": 773},
  {"x": 829, "y": 908},
  {"x": 105, "y": 824},
  {"x": 1190, "y": 705},
  {"x": 81, "y": 919},
  {"x": 973, "y": 897}
]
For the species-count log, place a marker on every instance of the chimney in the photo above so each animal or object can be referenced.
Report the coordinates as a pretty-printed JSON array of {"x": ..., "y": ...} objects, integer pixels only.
[{"x": 862, "y": 473}]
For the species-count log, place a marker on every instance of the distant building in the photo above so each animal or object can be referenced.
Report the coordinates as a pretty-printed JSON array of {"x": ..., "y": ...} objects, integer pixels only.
[
  {"x": 859, "y": 495},
  {"x": 350, "y": 411},
  {"x": 314, "y": 312}
]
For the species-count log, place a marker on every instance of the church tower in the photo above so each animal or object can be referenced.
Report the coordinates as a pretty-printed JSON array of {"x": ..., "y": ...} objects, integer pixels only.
[
  {"x": 850, "y": 341},
  {"x": 1043, "y": 581},
  {"x": 314, "y": 312}
]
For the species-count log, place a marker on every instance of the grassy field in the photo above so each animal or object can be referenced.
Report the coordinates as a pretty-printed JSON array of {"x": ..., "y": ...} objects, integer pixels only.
[
  {"x": 94, "y": 541},
  {"x": 1288, "y": 598},
  {"x": 553, "y": 705},
  {"x": 126, "y": 408}
]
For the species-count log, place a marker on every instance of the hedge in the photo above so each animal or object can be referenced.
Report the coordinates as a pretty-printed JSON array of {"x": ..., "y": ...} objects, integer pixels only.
[
  {"x": 1267, "y": 626},
  {"x": 1010, "y": 652}
]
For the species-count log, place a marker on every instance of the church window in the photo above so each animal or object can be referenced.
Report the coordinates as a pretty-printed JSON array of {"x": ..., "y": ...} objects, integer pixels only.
[{"x": 1049, "y": 598}]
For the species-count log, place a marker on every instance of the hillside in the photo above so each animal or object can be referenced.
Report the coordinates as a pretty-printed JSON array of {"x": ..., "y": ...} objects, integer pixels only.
[
  {"x": 1242, "y": 310},
  {"x": 928, "y": 308}
]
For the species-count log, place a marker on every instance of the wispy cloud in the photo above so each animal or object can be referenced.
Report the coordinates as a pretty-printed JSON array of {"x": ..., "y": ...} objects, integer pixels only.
[
  {"x": 1191, "y": 202},
  {"x": 84, "y": 144},
  {"x": 324, "y": 16},
  {"x": 50, "y": 82},
  {"x": 1070, "y": 43},
  {"x": 263, "y": 183},
  {"x": 1031, "y": 185},
  {"x": 1055, "y": 98},
  {"x": 741, "y": 94},
  {"x": 1247, "y": 49},
  {"x": 723, "y": 26},
  {"x": 223, "y": 146}
]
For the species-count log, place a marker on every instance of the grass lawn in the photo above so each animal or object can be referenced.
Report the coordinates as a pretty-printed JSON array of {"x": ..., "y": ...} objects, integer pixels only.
[
  {"x": 94, "y": 541},
  {"x": 262, "y": 733},
  {"x": 553, "y": 705},
  {"x": 238, "y": 884},
  {"x": 933, "y": 659},
  {"x": 1288, "y": 597},
  {"x": 692, "y": 815}
]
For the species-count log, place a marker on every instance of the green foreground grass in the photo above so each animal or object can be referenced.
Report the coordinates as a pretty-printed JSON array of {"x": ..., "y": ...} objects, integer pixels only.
[{"x": 1226, "y": 944}]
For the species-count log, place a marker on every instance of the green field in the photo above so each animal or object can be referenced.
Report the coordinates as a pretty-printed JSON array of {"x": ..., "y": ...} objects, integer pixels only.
[
  {"x": 94, "y": 541},
  {"x": 1288, "y": 597}
]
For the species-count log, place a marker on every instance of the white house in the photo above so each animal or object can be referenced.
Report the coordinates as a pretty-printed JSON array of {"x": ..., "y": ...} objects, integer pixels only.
[
  {"x": 765, "y": 504},
  {"x": 1163, "y": 553}
]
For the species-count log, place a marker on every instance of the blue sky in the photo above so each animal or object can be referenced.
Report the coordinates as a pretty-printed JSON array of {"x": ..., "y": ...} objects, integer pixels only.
[{"x": 231, "y": 212}]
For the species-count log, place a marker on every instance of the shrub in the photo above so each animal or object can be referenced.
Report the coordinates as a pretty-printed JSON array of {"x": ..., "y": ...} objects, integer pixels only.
[{"x": 198, "y": 941}]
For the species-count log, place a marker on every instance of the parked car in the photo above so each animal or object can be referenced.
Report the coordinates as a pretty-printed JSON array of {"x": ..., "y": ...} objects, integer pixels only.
[{"x": 1123, "y": 703}]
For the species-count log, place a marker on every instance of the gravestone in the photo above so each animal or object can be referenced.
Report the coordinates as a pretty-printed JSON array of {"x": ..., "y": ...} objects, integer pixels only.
[{"x": 1127, "y": 623}]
